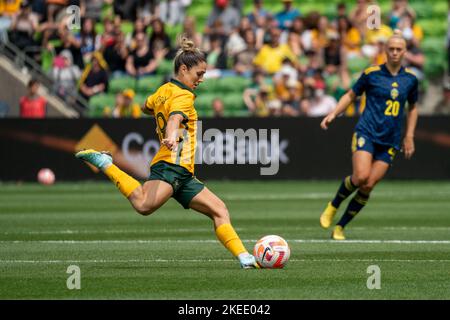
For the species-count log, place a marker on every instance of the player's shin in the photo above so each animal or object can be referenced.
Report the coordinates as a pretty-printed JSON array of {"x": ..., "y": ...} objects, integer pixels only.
[
  {"x": 346, "y": 189},
  {"x": 229, "y": 238},
  {"x": 125, "y": 183},
  {"x": 356, "y": 204}
]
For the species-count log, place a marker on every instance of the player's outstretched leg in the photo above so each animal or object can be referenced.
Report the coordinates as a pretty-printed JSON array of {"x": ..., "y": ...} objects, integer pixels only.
[
  {"x": 103, "y": 161},
  {"x": 209, "y": 204},
  {"x": 346, "y": 188}
]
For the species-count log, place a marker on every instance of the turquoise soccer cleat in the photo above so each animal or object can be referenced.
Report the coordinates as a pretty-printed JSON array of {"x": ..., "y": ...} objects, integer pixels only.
[
  {"x": 100, "y": 160},
  {"x": 248, "y": 262}
]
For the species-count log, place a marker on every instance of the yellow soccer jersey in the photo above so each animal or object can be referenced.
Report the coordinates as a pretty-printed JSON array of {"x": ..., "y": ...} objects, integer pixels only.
[{"x": 172, "y": 98}]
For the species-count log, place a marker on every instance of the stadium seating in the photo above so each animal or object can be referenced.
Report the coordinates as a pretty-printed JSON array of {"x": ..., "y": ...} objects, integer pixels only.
[{"x": 431, "y": 16}]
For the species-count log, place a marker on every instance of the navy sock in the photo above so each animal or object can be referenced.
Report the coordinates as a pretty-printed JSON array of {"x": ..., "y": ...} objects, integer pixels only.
[
  {"x": 356, "y": 204},
  {"x": 347, "y": 188}
]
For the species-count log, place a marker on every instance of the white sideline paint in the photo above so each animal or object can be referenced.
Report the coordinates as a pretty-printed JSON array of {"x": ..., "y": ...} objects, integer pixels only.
[
  {"x": 140, "y": 231},
  {"x": 207, "y": 260},
  {"x": 216, "y": 241}
]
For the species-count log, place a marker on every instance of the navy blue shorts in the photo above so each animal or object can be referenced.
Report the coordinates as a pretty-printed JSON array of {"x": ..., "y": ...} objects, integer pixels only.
[{"x": 379, "y": 152}]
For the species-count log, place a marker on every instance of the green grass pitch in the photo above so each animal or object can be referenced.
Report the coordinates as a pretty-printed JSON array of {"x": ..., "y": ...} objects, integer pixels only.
[{"x": 174, "y": 254}]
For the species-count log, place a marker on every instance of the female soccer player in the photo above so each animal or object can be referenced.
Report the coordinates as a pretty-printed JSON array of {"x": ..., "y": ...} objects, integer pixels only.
[
  {"x": 377, "y": 135},
  {"x": 172, "y": 169}
]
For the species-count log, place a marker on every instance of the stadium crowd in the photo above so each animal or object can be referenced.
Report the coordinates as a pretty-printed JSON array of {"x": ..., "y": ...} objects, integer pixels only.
[{"x": 296, "y": 64}]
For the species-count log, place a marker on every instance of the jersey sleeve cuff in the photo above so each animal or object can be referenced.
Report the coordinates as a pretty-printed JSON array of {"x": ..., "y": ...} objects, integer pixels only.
[{"x": 185, "y": 117}]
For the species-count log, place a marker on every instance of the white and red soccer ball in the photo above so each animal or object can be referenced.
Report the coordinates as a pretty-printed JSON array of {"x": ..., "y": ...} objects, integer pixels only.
[
  {"x": 272, "y": 252},
  {"x": 46, "y": 176}
]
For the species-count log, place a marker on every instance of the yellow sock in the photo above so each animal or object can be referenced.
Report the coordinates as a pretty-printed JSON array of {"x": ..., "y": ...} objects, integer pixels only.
[
  {"x": 123, "y": 181},
  {"x": 226, "y": 234}
]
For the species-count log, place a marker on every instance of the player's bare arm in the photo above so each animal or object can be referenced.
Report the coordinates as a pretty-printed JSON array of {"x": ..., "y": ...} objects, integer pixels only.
[
  {"x": 171, "y": 139},
  {"x": 342, "y": 105},
  {"x": 411, "y": 122}
]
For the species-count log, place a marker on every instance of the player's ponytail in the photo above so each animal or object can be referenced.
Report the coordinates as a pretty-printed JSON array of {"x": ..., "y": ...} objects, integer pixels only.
[{"x": 188, "y": 54}]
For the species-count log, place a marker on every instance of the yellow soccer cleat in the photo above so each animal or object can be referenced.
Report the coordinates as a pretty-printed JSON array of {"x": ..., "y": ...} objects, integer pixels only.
[
  {"x": 327, "y": 216},
  {"x": 338, "y": 233}
]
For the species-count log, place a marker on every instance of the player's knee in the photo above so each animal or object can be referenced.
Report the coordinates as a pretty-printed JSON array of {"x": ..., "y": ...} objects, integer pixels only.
[
  {"x": 360, "y": 179},
  {"x": 367, "y": 187},
  {"x": 221, "y": 211},
  {"x": 145, "y": 209}
]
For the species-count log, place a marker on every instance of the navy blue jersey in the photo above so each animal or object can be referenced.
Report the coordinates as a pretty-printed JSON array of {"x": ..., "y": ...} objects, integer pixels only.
[{"x": 386, "y": 96}]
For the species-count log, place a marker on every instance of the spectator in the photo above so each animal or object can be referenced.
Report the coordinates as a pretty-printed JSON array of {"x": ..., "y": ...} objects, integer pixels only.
[
  {"x": 292, "y": 103},
  {"x": 228, "y": 15},
  {"x": 65, "y": 75},
  {"x": 271, "y": 56},
  {"x": 116, "y": 56},
  {"x": 32, "y": 105},
  {"x": 243, "y": 61},
  {"x": 320, "y": 34},
  {"x": 287, "y": 72},
  {"x": 147, "y": 10},
  {"x": 172, "y": 12},
  {"x": 400, "y": 9},
  {"x": 257, "y": 11},
  {"x": 311, "y": 22},
  {"x": 369, "y": 49},
  {"x": 138, "y": 27},
  {"x": 341, "y": 10},
  {"x": 294, "y": 36},
  {"x": 126, "y": 107},
  {"x": 408, "y": 26},
  {"x": 159, "y": 39},
  {"x": 126, "y": 9},
  {"x": 350, "y": 37},
  {"x": 218, "y": 107},
  {"x": 216, "y": 57},
  {"x": 313, "y": 65},
  {"x": 23, "y": 27},
  {"x": 108, "y": 36},
  {"x": 8, "y": 10},
  {"x": 332, "y": 53},
  {"x": 358, "y": 16},
  {"x": 414, "y": 58},
  {"x": 190, "y": 31},
  {"x": 90, "y": 41},
  {"x": 142, "y": 61},
  {"x": 54, "y": 7},
  {"x": 319, "y": 104},
  {"x": 235, "y": 42},
  {"x": 94, "y": 79},
  {"x": 250, "y": 93},
  {"x": 91, "y": 9},
  {"x": 265, "y": 104},
  {"x": 287, "y": 15},
  {"x": 380, "y": 55},
  {"x": 71, "y": 43}
]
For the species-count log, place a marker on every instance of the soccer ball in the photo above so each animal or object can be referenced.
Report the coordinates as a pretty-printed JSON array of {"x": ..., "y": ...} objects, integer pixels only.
[
  {"x": 46, "y": 176},
  {"x": 272, "y": 252}
]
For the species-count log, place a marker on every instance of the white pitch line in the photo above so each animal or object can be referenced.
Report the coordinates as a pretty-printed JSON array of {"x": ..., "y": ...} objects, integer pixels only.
[
  {"x": 207, "y": 260},
  {"x": 216, "y": 241},
  {"x": 140, "y": 231}
]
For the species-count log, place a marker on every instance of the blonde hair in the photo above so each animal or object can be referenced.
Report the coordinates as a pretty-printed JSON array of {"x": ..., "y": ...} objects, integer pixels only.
[
  {"x": 397, "y": 35},
  {"x": 188, "y": 54}
]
